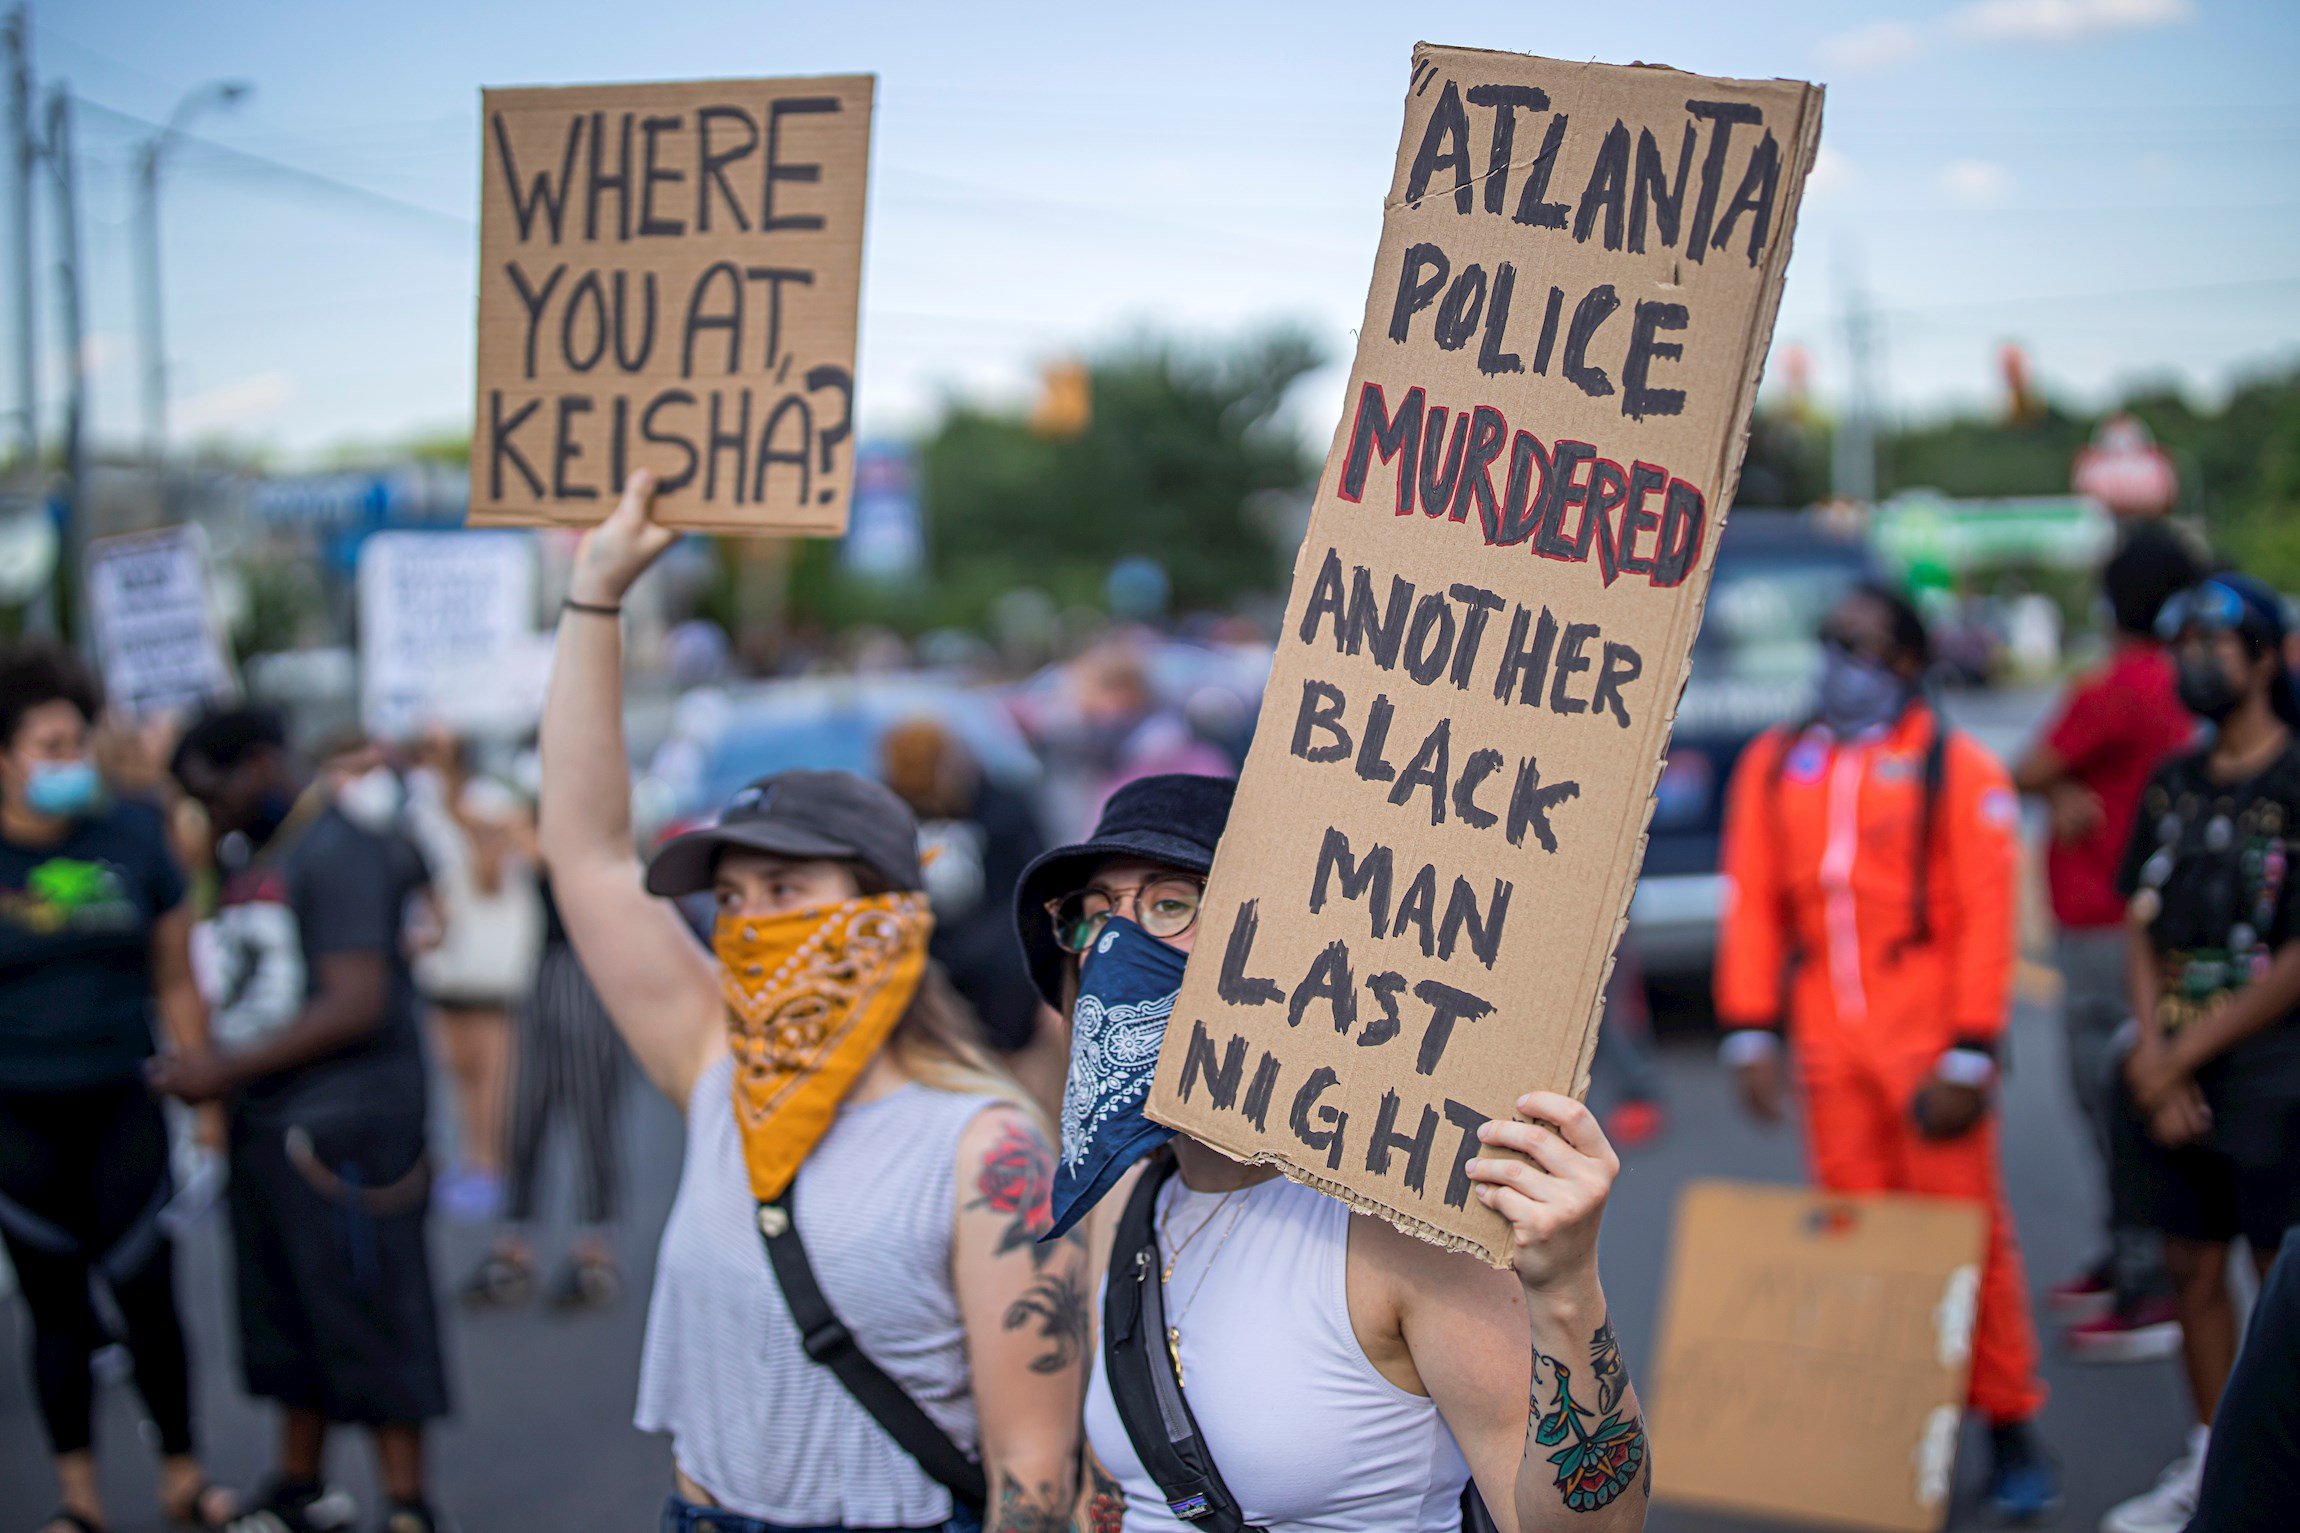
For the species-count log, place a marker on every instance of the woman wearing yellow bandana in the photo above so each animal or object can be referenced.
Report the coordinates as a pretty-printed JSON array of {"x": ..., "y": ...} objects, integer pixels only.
[{"x": 829, "y": 1076}]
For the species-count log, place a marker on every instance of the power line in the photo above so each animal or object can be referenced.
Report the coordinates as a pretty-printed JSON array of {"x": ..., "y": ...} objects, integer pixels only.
[
  {"x": 296, "y": 174},
  {"x": 2103, "y": 295}
]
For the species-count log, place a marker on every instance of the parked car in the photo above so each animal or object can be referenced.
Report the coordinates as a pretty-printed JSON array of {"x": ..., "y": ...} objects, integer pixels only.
[
  {"x": 721, "y": 738},
  {"x": 1754, "y": 660}
]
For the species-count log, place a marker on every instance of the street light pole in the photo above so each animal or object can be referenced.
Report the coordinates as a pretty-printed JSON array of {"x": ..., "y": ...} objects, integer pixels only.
[
  {"x": 16, "y": 41},
  {"x": 148, "y": 163},
  {"x": 73, "y": 531}
]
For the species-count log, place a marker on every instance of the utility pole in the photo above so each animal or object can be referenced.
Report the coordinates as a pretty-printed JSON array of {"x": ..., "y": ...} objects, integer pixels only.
[
  {"x": 149, "y": 159},
  {"x": 73, "y": 529},
  {"x": 24, "y": 155},
  {"x": 1853, "y": 455}
]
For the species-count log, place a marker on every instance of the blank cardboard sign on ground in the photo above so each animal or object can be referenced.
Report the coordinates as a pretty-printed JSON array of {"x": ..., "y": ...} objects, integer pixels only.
[
  {"x": 1415, "y": 905},
  {"x": 669, "y": 277},
  {"x": 1814, "y": 1351}
]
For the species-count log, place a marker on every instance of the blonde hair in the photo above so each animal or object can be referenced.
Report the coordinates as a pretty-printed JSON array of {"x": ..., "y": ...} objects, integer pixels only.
[{"x": 938, "y": 1043}]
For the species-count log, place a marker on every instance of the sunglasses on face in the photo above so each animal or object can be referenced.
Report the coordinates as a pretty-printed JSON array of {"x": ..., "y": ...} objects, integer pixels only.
[{"x": 1164, "y": 907}]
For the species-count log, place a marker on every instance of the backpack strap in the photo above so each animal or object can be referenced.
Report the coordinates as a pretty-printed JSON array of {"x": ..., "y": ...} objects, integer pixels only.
[
  {"x": 1933, "y": 776},
  {"x": 1143, "y": 1382},
  {"x": 827, "y": 1341}
]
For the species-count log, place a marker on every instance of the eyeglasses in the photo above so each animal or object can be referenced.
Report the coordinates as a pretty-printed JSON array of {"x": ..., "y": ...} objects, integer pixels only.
[{"x": 1163, "y": 907}]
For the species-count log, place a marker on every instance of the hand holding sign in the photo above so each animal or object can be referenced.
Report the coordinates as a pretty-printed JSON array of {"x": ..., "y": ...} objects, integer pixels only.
[
  {"x": 614, "y": 554},
  {"x": 1554, "y": 1199}
]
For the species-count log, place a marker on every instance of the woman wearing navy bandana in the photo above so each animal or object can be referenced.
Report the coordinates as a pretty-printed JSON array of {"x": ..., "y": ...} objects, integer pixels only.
[{"x": 1342, "y": 1376}]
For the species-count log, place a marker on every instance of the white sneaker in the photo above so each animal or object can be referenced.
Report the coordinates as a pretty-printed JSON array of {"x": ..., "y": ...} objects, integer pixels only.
[{"x": 2167, "y": 1508}]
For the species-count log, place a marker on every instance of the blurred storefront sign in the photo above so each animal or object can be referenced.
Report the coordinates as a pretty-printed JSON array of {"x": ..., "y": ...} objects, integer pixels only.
[
  {"x": 342, "y": 510},
  {"x": 886, "y": 532},
  {"x": 2126, "y": 471},
  {"x": 1934, "y": 539}
]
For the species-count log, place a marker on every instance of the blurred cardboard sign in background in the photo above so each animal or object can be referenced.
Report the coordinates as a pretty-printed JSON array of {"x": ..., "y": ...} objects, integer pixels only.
[
  {"x": 1814, "y": 1352},
  {"x": 447, "y": 634},
  {"x": 152, "y": 612},
  {"x": 1415, "y": 905},
  {"x": 669, "y": 278}
]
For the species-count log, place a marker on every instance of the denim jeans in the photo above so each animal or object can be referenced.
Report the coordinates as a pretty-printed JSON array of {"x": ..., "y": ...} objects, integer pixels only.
[{"x": 681, "y": 1516}]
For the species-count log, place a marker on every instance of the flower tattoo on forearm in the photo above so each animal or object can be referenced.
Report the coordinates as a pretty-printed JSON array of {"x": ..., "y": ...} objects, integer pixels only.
[{"x": 1600, "y": 1451}]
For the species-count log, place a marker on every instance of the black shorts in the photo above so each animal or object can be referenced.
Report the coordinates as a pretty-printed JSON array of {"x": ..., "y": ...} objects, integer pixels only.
[
  {"x": 337, "y": 1313},
  {"x": 2242, "y": 1179}
]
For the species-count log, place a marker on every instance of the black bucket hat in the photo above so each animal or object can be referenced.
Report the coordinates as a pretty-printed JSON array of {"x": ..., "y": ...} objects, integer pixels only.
[
  {"x": 835, "y": 815},
  {"x": 1175, "y": 819}
]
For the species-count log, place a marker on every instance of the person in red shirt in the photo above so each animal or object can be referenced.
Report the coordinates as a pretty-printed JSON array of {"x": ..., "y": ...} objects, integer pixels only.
[{"x": 2113, "y": 729}]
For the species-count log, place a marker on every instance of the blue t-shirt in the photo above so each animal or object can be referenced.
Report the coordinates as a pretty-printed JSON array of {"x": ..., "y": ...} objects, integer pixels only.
[{"x": 76, "y": 949}]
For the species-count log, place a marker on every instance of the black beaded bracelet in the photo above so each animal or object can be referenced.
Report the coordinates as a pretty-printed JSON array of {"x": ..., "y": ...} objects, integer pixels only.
[{"x": 596, "y": 609}]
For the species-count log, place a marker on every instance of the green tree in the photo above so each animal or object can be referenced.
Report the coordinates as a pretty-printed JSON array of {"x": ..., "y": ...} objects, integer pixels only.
[{"x": 1180, "y": 438}]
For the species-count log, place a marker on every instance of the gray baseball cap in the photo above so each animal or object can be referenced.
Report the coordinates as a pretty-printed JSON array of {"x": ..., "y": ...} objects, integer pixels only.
[{"x": 804, "y": 814}]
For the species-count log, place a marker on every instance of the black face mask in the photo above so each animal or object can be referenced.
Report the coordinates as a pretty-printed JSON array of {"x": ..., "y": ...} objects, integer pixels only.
[{"x": 2205, "y": 689}]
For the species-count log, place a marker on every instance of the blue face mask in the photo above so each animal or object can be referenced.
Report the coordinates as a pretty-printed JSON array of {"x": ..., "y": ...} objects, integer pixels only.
[
  {"x": 1126, "y": 992},
  {"x": 61, "y": 788},
  {"x": 1858, "y": 695}
]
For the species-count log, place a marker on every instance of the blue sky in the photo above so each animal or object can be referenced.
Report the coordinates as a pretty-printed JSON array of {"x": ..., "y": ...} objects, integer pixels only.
[{"x": 2113, "y": 183}]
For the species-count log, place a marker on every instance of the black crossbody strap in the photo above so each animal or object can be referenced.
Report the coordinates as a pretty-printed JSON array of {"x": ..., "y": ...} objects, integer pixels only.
[
  {"x": 1143, "y": 1383},
  {"x": 1147, "y": 1389},
  {"x": 828, "y": 1342}
]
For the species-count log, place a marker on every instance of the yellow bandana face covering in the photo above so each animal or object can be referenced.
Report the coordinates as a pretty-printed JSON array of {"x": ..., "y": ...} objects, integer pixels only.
[{"x": 811, "y": 997}]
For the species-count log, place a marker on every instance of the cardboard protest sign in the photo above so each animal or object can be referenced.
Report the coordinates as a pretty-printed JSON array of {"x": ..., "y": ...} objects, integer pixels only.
[
  {"x": 153, "y": 617},
  {"x": 447, "y": 633},
  {"x": 669, "y": 278},
  {"x": 1814, "y": 1352},
  {"x": 1414, "y": 909}
]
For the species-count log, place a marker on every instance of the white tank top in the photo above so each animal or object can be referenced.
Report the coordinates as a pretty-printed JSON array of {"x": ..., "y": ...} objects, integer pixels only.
[
  {"x": 765, "y": 1430},
  {"x": 1308, "y": 1436}
]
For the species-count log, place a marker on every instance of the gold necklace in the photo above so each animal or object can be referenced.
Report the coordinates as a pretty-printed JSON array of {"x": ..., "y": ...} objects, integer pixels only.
[
  {"x": 1166, "y": 1229},
  {"x": 1174, "y": 1320}
]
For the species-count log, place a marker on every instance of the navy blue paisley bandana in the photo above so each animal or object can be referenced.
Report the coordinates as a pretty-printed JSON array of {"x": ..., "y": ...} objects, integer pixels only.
[{"x": 1126, "y": 988}]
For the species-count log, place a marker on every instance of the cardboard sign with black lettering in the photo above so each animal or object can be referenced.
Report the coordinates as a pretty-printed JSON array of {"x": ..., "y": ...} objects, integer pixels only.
[
  {"x": 1814, "y": 1353},
  {"x": 669, "y": 278},
  {"x": 1415, "y": 907},
  {"x": 152, "y": 609}
]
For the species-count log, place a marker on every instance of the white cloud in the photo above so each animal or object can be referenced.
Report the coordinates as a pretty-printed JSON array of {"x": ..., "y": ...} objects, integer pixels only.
[
  {"x": 232, "y": 406},
  {"x": 1832, "y": 172},
  {"x": 1879, "y": 45},
  {"x": 2063, "y": 21},
  {"x": 1977, "y": 183}
]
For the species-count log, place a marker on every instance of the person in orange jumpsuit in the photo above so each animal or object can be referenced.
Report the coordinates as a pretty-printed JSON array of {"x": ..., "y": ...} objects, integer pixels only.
[{"x": 1870, "y": 856}]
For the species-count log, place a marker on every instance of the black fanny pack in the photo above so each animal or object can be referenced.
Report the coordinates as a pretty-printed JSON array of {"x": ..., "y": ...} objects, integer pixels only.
[
  {"x": 827, "y": 1341},
  {"x": 1146, "y": 1388}
]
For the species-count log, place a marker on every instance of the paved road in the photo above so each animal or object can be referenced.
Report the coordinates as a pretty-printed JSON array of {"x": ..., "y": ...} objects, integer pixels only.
[{"x": 543, "y": 1440}]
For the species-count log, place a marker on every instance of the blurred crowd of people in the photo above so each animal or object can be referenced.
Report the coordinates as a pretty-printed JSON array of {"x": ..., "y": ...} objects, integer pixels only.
[
  {"x": 1871, "y": 932},
  {"x": 292, "y": 939}
]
